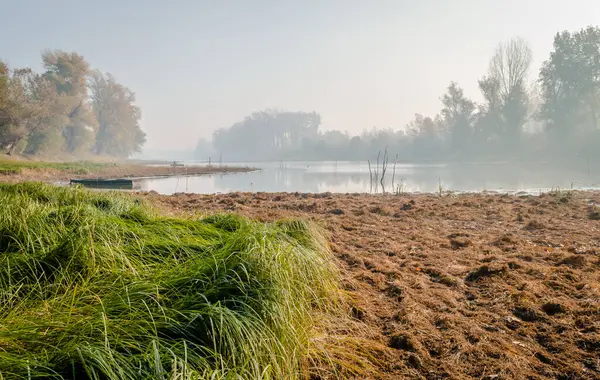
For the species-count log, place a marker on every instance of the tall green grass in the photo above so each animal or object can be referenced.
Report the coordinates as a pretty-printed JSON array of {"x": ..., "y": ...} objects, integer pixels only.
[{"x": 98, "y": 286}]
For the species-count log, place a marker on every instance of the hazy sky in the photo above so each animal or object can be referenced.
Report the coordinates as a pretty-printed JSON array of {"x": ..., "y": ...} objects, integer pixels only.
[{"x": 199, "y": 65}]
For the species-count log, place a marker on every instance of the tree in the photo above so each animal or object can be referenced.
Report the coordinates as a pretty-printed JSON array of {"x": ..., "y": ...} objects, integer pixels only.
[
  {"x": 4, "y": 97},
  {"x": 69, "y": 72},
  {"x": 268, "y": 134},
  {"x": 4, "y": 80},
  {"x": 119, "y": 133},
  {"x": 510, "y": 65},
  {"x": 489, "y": 123},
  {"x": 570, "y": 83},
  {"x": 31, "y": 104},
  {"x": 458, "y": 116},
  {"x": 423, "y": 127},
  {"x": 505, "y": 88},
  {"x": 425, "y": 134}
]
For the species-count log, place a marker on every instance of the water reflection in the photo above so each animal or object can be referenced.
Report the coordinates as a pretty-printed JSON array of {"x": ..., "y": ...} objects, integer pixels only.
[{"x": 354, "y": 177}]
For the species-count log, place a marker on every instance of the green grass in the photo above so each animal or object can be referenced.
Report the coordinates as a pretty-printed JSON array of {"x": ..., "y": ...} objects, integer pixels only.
[
  {"x": 99, "y": 286},
  {"x": 12, "y": 167}
]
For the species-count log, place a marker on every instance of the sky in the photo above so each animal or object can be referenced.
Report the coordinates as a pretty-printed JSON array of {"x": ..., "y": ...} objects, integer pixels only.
[{"x": 198, "y": 65}]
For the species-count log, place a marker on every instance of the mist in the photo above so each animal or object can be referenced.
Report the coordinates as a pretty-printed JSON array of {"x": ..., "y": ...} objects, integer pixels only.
[{"x": 332, "y": 80}]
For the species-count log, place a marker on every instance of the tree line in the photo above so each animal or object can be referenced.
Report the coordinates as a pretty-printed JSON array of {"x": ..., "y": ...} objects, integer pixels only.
[
  {"x": 554, "y": 114},
  {"x": 67, "y": 110}
]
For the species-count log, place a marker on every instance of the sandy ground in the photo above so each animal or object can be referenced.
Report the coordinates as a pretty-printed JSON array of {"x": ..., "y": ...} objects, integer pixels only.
[
  {"x": 454, "y": 287},
  {"x": 116, "y": 171}
]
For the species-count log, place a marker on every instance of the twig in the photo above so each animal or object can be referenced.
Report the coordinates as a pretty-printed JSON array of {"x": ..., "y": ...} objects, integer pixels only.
[
  {"x": 370, "y": 177},
  {"x": 587, "y": 158},
  {"x": 384, "y": 165},
  {"x": 377, "y": 172},
  {"x": 394, "y": 171}
]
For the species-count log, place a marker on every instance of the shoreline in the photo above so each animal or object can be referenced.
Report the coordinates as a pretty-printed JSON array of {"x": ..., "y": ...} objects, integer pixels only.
[{"x": 60, "y": 172}]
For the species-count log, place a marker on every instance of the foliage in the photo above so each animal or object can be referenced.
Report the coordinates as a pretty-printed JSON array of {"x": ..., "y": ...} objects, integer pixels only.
[
  {"x": 268, "y": 134},
  {"x": 50, "y": 113},
  {"x": 458, "y": 115},
  {"x": 69, "y": 72},
  {"x": 119, "y": 133},
  {"x": 97, "y": 286},
  {"x": 570, "y": 81},
  {"x": 32, "y": 105}
]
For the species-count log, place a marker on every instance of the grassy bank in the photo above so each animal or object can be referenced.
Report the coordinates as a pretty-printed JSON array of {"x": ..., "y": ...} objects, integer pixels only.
[
  {"x": 16, "y": 171},
  {"x": 98, "y": 286},
  {"x": 13, "y": 167}
]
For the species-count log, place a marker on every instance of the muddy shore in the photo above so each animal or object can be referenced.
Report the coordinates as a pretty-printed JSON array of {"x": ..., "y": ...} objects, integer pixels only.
[{"x": 470, "y": 286}]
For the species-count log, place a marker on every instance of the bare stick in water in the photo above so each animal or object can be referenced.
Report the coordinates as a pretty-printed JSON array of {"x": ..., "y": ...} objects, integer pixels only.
[
  {"x": 394, "y": 172},
  {"x": 377, "y": 172},
  {"x": 384, "y": 165},
  {"x": 370, "y": 176}
]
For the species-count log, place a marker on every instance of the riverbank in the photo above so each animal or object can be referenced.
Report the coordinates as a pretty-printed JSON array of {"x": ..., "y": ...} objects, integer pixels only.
[
  {"x": 464, "y": 286},
  {"x": 14, "y": 171}
]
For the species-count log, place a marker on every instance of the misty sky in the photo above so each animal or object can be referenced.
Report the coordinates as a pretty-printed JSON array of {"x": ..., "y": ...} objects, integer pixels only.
[{"x": 199, "y": 65}]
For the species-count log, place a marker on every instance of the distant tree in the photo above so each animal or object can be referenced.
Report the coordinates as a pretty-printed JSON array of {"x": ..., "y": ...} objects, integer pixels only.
[
  {"x": 505, "y": 89},
  {"x": 69, "y": 73},
  {"x": 30, "y": 105},
  {"x": 570, "y": 83},
  {"x": 426, "y": 137},
  {"x": 458, "y": 116},
  {"x": 4, "y": 96},
  {"x": 356, "y": 148},
  {"x": 268, "y": 134},
  {"x": 336, "y": 137},
  {"x": 423, "y": 127},
  {"x": 510, "y": 65},
  {"x": 4, "y": 80},
  {"x": 119, "y": 133},
  {"x": 489, "y": 121}
]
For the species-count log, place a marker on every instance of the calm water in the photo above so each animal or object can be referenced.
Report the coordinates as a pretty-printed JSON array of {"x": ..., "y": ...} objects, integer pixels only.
[{"x": 354, "y": 177}]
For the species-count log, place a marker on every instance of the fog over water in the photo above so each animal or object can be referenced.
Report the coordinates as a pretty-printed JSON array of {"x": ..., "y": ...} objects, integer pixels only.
[{"x": 354, "y": 177}]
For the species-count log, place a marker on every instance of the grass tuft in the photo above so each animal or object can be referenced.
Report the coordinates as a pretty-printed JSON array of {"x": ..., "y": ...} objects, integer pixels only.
[{"x": 98, "y": 286}]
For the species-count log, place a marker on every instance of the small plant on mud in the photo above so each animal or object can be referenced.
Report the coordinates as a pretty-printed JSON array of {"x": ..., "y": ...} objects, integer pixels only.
[
  {"x": 561, "y": 193},
  {"x": 401, "y": 187}
]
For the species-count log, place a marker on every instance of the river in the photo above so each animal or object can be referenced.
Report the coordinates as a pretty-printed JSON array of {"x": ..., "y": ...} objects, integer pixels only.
[{"x": 357, "y": 177}]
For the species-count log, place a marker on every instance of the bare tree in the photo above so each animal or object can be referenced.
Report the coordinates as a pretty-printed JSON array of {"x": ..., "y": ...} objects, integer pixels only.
[
  {"x": 510, "y": 64},
  {"x": 507, "y": 84}
]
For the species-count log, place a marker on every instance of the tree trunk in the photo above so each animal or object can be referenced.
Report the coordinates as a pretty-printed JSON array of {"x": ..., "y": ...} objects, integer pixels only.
[{"x": 12, "y": 146}]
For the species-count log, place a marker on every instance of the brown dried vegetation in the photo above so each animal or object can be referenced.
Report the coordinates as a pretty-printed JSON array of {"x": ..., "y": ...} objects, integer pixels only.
[{"x": 463, "y": 287}]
